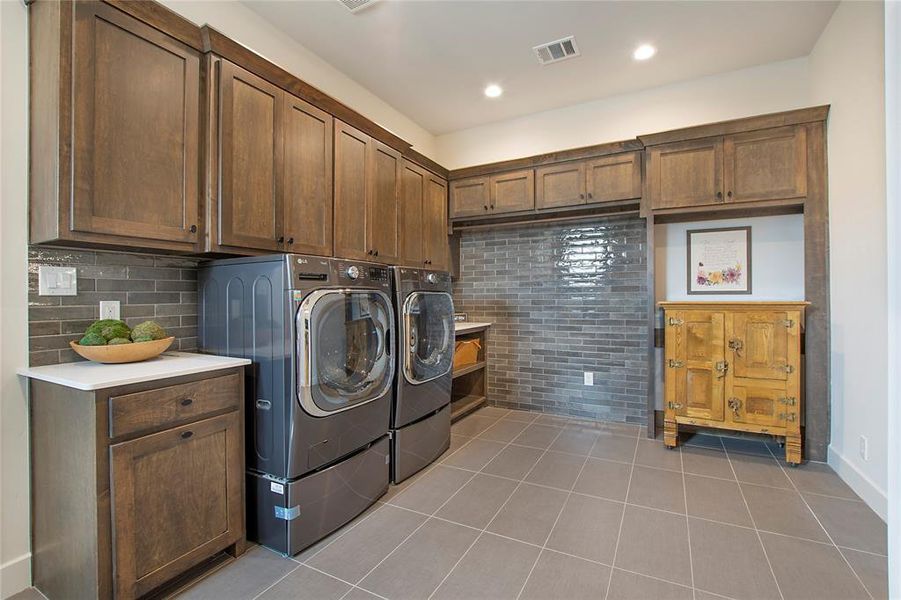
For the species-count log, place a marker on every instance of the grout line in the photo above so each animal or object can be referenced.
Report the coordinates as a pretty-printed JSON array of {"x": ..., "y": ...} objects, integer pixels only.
[
  {"x": 478, "y": 537},
  {"x": 435, "y": 512},
  {"x": 691, "y": 564},
  {"x": 622, "y": 519},
  {"x": 559, "y": 514},
  {"x": 279, "y": 580},
  {"x": 828, "y": 535},
  {"x": 754, "y": 523}
]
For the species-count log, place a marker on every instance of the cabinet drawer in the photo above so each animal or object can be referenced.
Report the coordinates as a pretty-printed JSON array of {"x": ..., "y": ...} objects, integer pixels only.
[{"x": 154, "y": 409}]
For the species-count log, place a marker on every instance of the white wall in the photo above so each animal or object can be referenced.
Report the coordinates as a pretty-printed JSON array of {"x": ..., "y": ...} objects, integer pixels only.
[
  {"x": 250, "y": 29},
  {"x": 768, "y": 88},
  {"x": 15, "y": 566},
  {"x": 777, "y": 258},
  {"x": 893, "y": 220},
  {"x": 847, "y": 71}
]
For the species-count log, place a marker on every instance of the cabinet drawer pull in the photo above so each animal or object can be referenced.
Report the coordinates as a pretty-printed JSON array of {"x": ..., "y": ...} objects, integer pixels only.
[
  {"x": 187, "y": 401},
  {"x": 186, "y": 434},
  {"x": 193, "y": 229},
  {"x": 734, "y": 405}
]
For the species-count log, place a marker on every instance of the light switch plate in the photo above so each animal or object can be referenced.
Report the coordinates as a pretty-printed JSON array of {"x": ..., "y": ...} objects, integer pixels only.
[
  {"x": 57, "y": 281},
  {"x": 589, "y": 378}
]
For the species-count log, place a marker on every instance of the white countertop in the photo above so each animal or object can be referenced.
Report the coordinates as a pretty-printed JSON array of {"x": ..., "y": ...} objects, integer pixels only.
[
  {"x": 89, "y": 376},
  {"x": 466, "y": 326}
]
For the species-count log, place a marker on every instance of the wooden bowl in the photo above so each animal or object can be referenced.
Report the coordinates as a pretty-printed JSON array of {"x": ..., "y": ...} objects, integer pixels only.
[{"x": 123, "y": 353}]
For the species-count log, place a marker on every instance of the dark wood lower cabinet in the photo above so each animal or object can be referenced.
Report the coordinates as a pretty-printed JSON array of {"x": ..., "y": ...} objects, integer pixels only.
[{"x": 117, "y": 515}]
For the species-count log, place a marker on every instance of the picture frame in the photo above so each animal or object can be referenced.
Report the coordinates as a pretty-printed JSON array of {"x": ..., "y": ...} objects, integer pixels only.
[{"x": 718, "y": 261}]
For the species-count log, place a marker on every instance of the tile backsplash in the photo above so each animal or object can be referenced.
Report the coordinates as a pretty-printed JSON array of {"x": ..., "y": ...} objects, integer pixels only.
[
  {"x": 159, "y": 288},
  {"x": 564, "y": 299}
]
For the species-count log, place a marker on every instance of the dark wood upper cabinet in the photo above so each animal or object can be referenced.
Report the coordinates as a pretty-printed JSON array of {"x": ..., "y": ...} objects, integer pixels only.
[
  {"x": 560, "y": 185},
  {"x": 250, "y": 154},
  {"x": 353, "y": 179},
  {"x": 435, "y": 239},
  {"x": 614, "y": 177},
  {"x": 414, "y": 237},
  {"x": 469, "y": 197},
  {"x": 307, "y": 181},
  {"x": 115, "y": 139},
  {"x": 770, "y": 164},
  {"x": 685, "y": 173},
  {"x": 512, "y": 192},
  {"x": 384, "y": 215}
]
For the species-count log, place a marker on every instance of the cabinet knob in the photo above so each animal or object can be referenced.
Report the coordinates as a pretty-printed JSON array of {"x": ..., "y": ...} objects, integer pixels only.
[
  {"x": 729, "y": 194},
  {"x": 187, "y": 401},
  {"x": 281, "y": 239},
  {"x": 486, "y": 207},
  {"x": 589, "y": 195},
  {"x": 193, "y": 229},
  {"x": 719, "y": 195},
  {"x": 375, "y": 253},
  {"x": 369, "y": 252},
  {"x": 186, "y": 434},
  {"x": 581, "y": 196},
  {"x": 290, "y": 240}
]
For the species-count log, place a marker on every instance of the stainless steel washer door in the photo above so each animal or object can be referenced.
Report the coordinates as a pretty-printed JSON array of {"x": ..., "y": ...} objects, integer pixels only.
[
  {"x": 428, "y": 336},
  {"x": 343, "y": 349}
]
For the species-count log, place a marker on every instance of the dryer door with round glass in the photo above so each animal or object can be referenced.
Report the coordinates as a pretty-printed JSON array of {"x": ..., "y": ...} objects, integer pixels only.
[
  {"x": 344, "y": 350},
  {"x": 429, "y": 336}
]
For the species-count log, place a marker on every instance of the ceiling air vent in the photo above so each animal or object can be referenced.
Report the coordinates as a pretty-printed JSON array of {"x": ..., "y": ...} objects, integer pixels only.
[
  {"x": 357, "y": 5},
  {"x": 556, "y": 51}
]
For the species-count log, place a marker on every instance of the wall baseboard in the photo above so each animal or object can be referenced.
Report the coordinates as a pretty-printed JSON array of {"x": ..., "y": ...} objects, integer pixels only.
[
  {"x": 15, "y": 575},
  {"x": 875, "y": 497}
]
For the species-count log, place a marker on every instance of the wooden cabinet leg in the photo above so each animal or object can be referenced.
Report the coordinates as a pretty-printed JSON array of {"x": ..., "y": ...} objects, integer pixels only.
[
  {"x": 793, "y": 449},
  {"x": 670, "y": 433},
  {"x": 238, "y": 548}
]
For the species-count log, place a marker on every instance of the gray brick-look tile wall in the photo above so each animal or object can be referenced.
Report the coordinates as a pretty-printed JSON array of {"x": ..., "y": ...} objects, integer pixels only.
[
  {"x": 564, "y": 299},
  {"x": 159, "y": 288}
]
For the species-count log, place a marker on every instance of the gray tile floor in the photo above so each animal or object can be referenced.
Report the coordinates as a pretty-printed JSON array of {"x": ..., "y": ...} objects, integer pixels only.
[{"x": 538, "y": 507}]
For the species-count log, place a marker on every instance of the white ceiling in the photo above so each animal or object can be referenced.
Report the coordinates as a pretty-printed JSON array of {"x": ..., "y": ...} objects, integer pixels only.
[{"x": 432, "y": 59}]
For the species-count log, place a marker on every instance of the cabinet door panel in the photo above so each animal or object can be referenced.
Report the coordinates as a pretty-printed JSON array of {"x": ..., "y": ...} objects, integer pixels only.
[
  {"x": 761, "y": 403},
  {"x": 435, "y": 214},
  {"x": 512, "y": 192},
  {"x": 694, "y": 351},
  {"x": 759, "y": 344},
  {"x": 612, "y": 178},
  {"x": 470, "y": 197},
  {"x": 413, "y": 234},
  {"x": 307, "y": 181},
  {"x": 686, "y": 173},
  {"x": 136, "y": 111},
  {"x": 250, "y": 209},
  {"x": 177, "y": 498},
  {"x": 352, "y": 190},
  {"x": 560, "y": 185},
  {"x": 766, "y": 165},
  {"x": 383, "y": 219}
]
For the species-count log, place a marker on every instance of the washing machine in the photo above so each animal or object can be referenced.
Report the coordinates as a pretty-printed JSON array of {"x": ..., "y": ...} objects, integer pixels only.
[
  {"x": 420, "y": 415},
  {"x": 319, "y": 332}
]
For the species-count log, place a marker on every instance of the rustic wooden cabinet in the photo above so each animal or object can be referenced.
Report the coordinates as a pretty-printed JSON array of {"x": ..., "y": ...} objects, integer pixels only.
[
  {"x": 306, "y": 184},
  {"x": 769, "y": 164},
  {"x": 114, "y": 130},
  {"x": 560, "y": 185},
  {"x": 512, "y": 192},
  {"x": 353, "y": 177},
  {"x": 137, "y": 484},
  {"x": 603, "y": 179},
  {"x": 734, "y": 366},
  {"x": 469, "y": 197},
  {"x": 435, "y": 243},
  {"x": 423, "y": 218},
  {"x": 383, "y": 216}
]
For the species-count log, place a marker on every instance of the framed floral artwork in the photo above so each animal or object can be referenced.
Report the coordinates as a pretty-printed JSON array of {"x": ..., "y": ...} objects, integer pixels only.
[{"x": 719, "y": 261}]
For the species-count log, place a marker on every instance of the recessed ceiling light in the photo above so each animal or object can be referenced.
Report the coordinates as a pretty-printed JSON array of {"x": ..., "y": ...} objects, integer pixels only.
[
  {"x": 493, "y": 90},
  {"x": 644, "y": 52}
]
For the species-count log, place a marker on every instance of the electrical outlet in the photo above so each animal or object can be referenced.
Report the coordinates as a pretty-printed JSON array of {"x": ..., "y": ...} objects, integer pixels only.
[
  {"x": 864, "y": 448},
  {"x": 109, "y": 309},
  {"x": 589, "y": 378}
]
